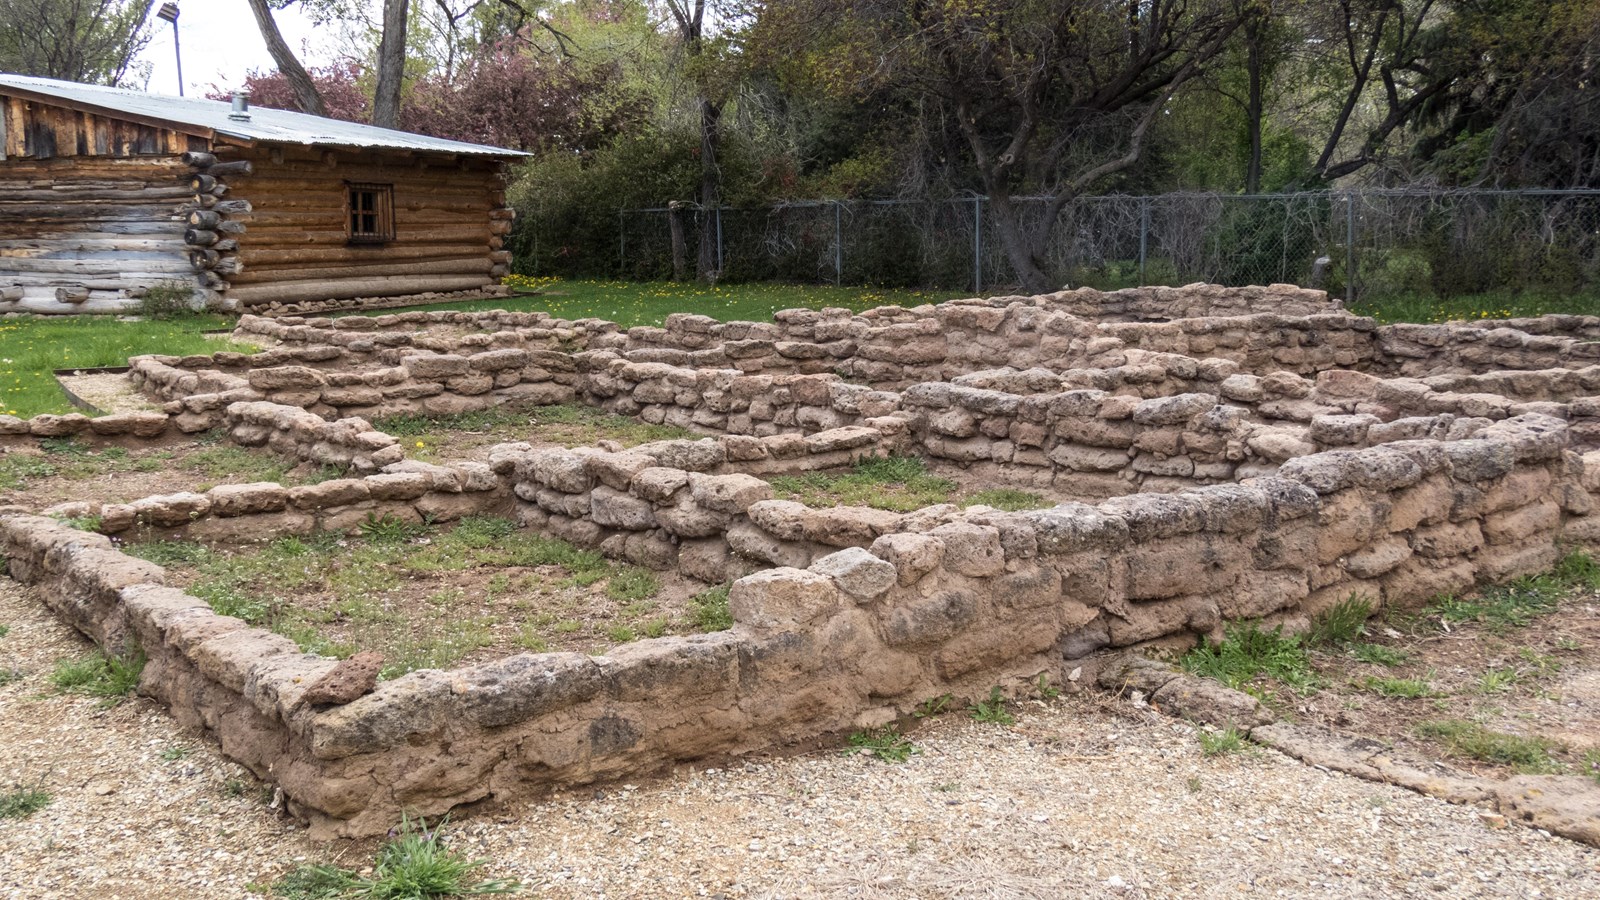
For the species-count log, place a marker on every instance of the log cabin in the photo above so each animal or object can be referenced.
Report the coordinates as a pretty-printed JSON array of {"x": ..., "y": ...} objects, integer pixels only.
[{"x": 106, "y": 193}]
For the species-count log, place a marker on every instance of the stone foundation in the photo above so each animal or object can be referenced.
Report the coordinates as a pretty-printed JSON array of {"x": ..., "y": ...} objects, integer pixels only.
[{"x": 1232, "y": 472}]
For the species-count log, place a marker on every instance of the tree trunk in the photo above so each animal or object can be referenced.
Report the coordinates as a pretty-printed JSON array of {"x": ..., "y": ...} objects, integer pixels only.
[
  {"x": 1252, "y": 113},
  {"x": 391, "y": 65},
  {"x": 1019, "y": 249},
  {"x": 305, "y": 90},
  {"x": 710, "y": 188},
  {"x": 675, "y": 232}
]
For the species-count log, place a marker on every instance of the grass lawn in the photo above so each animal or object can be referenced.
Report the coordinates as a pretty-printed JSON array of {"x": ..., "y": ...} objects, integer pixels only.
[
  {"x": 32, "y": 347},
  {"x": 632, "y": 303}
]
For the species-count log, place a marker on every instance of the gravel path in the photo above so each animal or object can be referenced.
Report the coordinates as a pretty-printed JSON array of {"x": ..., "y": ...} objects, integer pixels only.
[{"x": 1079, "y": 799}]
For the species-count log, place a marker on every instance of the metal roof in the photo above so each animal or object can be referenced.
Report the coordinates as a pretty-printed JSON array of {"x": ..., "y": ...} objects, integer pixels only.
[{"x": 275, "y": 126}]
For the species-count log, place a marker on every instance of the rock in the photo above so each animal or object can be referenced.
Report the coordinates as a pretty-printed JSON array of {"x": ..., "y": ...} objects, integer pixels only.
[
  {"x": 782, "y": 598},
  {"x": 857, "y": 572},
  {"x": 728, "y": 493},
  {"x": 345, "y": 682}
]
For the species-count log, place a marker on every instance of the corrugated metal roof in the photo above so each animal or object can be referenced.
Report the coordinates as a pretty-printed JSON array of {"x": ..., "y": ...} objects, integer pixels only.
[{"x": 266, "y": 125}]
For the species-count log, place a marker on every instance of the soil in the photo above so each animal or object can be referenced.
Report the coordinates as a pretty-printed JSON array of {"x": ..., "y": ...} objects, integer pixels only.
[
  {"x": 1081, "y": 798},
  {"x": 463, "y": 437},
  {"x": 1541, "y": 681},
  {"x": 108, "y": 392},
  {"x": 37, "y": 477},
  {"x": 431, "y": 604}
]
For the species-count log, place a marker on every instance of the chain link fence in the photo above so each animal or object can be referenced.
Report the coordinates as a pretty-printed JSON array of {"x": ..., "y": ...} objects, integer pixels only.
[{"x": 1356, "y": 243}]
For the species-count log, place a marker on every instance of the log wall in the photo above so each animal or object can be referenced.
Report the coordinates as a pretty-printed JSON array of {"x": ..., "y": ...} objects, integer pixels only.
[
  {"x": 295, "y": 246},
  {"x": 88, "y": 234}
]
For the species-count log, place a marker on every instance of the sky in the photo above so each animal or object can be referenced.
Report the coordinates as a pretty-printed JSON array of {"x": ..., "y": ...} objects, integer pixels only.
[{"x": 221, "y": 43}]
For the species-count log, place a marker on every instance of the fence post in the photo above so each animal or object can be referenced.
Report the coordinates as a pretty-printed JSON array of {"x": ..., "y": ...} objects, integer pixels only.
[
  {"x": 622, "y": 244},
  {"x": 1144, "y": 234},
  {"x": 838, "y": 244},
  {"x": 718, "y": 212},
  {"x": 1350, "y": 247},
  {"x": 977, "y": 246}
]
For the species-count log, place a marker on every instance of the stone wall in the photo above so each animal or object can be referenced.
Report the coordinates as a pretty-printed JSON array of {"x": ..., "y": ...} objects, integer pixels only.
[{"x": 940, "y": 602}]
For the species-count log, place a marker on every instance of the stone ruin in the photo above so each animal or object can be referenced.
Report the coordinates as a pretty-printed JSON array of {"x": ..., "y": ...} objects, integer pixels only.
[{"x": 1215, "y": 455}]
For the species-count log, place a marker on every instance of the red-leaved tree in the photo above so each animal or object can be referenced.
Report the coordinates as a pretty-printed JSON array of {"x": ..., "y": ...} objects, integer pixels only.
[{"x": 339, "y": 84}]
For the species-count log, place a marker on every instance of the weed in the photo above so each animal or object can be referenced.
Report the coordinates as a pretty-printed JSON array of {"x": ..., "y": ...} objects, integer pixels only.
[
  {"x": 1540, "y": 665},
  {"x": 17, "y": 469},
  {"x": 632, "y": 583},
  {"x": 389, "y": 529},
  {"x": 1377, "y": 654},
  {"x": 111, "y": 678},
  {"x": 992, "y": 711},
  {"x": 1513, "y": 605},
  {"x": 896, "y": 483},
  {"x": 176, "y": 752},
  {"x": 1402, "y": 688},
  {"x": 4, "y": 630},
  {"x": 1529, "y": 756},
  {"x": 1568, "y": 644},
  {"x": 1578, "y": 570},
  {"x": 22, "y": 802},
  {"x": 1193, "y": 783},
  {"x": 621, "y": 634},
  {"x": 417, "y": 864},
  {"x": 1591, "y": 763},
  {"x": 530, "y": 640},
  {"x": 934, "y": 706},
  {"x": 235, "y": 788},
  {"x": 1008, "y": 499},
  {"x": 167, "y": 300},
  {"x": 886, "y": 744},
  {"x": 1497, "y": 681},
  {"x": 9, "y": 674},
  {"x": 1225, "y": 742},
  {"x": 1340, "y": 625},
  {"x": 1047, "y": 691},
  {"x": 314, "y": 882},
  {"x": 1247, "y": 652},
  {"x": 655, "y": 628},
  {"x": 170, "y": 553},
  {"x": 82, "y": 523},
  {"x": 63, "y": 446},
  {"x": 709, "y": 610}
]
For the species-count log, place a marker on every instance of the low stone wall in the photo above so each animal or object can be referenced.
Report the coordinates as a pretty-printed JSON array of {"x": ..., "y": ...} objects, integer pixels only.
[
  {"x": 948, "y": 603},
  {"x": 263, "y": 511},
  {"x": 118, "y": 428}
]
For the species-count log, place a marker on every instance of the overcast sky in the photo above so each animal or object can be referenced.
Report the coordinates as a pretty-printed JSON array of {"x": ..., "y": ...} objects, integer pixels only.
[{"x": 221, "y": 43}]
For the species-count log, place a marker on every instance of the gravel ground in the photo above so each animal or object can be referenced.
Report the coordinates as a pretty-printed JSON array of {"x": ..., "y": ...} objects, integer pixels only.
[
  {"x": 1079, "y": 799},
  {"x": 109, "y": 392}
]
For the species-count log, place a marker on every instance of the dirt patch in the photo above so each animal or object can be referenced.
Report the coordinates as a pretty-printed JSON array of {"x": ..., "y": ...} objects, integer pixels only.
[
  {"x": 59, "y": 470},
  {"x": 459, "y": 437},
  {"x": 900, "y": 484},
  {"x": 438, "y": 598},
  {"x": 108, "y": 392}
]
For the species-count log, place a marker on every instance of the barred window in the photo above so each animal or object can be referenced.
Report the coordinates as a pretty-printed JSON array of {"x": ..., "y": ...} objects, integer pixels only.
[{"x": 371, "y": 213}]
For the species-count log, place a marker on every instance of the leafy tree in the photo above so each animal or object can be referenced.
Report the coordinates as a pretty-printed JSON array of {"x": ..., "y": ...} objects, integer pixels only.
[
  {"x": 91, "y": 41},
  {"x": 1048, "y": 96}
]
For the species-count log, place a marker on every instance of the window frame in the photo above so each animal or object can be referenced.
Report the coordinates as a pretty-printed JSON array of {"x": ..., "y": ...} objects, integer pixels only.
[{"x": 382, "y": 213}]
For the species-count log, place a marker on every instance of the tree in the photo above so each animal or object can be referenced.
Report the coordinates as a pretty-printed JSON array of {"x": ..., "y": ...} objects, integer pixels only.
[
  {"x": 307, "y": 98},
  {"x": 1051, "y": 97},
  {"x": 391, "y": 65},
  {"x": 91, "y": 41}
]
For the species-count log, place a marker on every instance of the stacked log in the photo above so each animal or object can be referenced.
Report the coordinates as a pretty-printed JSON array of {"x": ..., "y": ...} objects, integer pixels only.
[
  {"x": 213, "y": 254},
  {"x": 88, "y": 233}
]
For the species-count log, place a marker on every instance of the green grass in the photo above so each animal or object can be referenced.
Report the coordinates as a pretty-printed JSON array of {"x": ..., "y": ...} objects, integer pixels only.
[
  {"x": 895, "y": 483},
  {"x": 1472, "y": 307},
  {"x": 1379, "y": 655},
  {"x": 1528, "y": 756},
  {"x": 649, "y": 303},
  {"x": 1248, "y": 653},
  {"x": 992, "y": 711},
  {"x": 4, "y": 630},
  {"x": 415, "y": 864},
  {"x": 886, "y": 744},
  {"x": 1342, "y": 624},
  {"x": 110, "y": 678},
  {"x": 1225, "y": 742},
  {"x": 351, "y": 577},
  {"x": 1401, "y": 688},
  {"x": 1499, "y": 608},
  {"x": 31, "y": 348},
  {"x": 23, "y": 802},
  {"x": 709, "y": 610}
]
